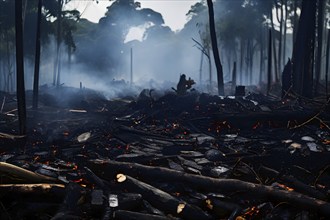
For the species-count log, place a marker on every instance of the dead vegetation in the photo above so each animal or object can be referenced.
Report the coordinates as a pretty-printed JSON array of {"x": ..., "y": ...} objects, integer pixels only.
[{"x": 188, "y": 156}]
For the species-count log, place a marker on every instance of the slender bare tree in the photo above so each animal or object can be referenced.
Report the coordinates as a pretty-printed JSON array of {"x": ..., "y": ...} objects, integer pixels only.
[{"x": 221, "y": 89}]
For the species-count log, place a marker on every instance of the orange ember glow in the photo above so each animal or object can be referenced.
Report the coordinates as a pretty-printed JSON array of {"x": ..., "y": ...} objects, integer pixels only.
[{"x": 285, "y": 187}]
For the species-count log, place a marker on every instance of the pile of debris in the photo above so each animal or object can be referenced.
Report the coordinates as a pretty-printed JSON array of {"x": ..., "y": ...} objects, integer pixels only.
[{"x": 188, "y": 156}]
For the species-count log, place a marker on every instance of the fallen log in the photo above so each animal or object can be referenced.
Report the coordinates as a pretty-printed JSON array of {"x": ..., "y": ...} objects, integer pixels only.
[
  {"x": 293, "y": 183},
  {"x": 108, "y": 169},
  {"x": 24, "y": 175},
  {"x": 35, "y": 189},
  {"x": 128, "y": 215},
  {"x": 162, "y": 200}
]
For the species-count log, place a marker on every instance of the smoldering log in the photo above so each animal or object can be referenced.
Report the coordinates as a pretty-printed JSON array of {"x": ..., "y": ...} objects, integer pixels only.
[
  {"x": 161, "y": 199},
  {"x": 108, "y": 169},
  {"x": 293, "y": 183}
]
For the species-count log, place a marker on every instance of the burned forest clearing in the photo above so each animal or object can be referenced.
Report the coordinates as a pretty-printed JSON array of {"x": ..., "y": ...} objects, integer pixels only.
[
  {"x": 194, "y": 156},
  {"x": 150, "y": 110}
]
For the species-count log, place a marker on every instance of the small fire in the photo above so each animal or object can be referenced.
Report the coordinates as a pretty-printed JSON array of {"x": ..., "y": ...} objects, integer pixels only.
[
  {"x": 285, "y": 187},
  {"x": 252, "y": 211}
]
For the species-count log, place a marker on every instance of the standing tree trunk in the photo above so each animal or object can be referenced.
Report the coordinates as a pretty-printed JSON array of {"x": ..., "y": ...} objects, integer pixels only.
[
  {"x": 280, "y": 21},
  {"x": 327, "y": 65},
  {"x": 201, "y": 68},
  {"x": 37, "y": 60},
  {"x": 303, "y": 51},
  {"x": 295, "y": 21},
  {"x": 20, "y": 68},
  {"x": 210, "y": 67},
  {"x": 233, "y": 83},
  {"x": 261, "y": 55},
  {"x": 269, "y": 71},
  {"x": 131, "y": 75},
  {"x": 285, "y": 30},
  {"x": 221, "y": 89},
  {"x": 320, "y": 24},
  {"x": 251, "y": 55},
  {"x": 56, "y": 73},
  {"x": 59, "y": 40},
  {"x": 241, "y": 61},
  {"x": 248, "y": 61},
  {"x": 274, "y": 50}
]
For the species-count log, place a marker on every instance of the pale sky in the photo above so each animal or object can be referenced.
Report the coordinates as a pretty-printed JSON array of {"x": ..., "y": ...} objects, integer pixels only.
[{"x": 173, "y": 11}]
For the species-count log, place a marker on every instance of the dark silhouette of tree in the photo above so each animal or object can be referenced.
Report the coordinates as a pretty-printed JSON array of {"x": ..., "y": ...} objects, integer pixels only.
[
  {"x": 303, "y": 51},
  {"x": 327, "y": 64},
  {"x": 269, "y": 69},
  {"x": 20, "y": 67},
  {"x": 37, "y": 60},
  {"x": 215, "y": 48},
  {"x": 320, "y": 27},
  {"x": 57, "y": 67},
  {"x": 7, "y": 43}
]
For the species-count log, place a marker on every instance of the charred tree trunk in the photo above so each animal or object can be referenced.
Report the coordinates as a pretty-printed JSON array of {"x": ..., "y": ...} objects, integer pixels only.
[
  {"x": 295, "y": 18},
  {"x": 9, "y": 82},
  {"x": 285, "y": 30},
  {"x": 241, "y": 61},
  {"x": 274, "y": 50},
  {"x": 320, "y": 24},
  {"x": 216, "y": 55},
  {"x": 327, "y": 65},
  {"x": 233, "y": 85},
  {"x": 59, "y": 40},
  {"x": 279, "y": 8},
  {"x": 37, "y": 60},
  {"x": 303, "y": 52},
  {"x": 201, "y": 68},
  {"x": 20, "y": 68},
  {"x": 269, "y": 72},
  {"x": 131, "y": 59},
  {"x": 56, "y": 73},
  {"x": 261, "y": 55},
  {"x": 251, "y": 58},
  {"x": 247, "y": 61},
  {"x": 210, "y": 68}
]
